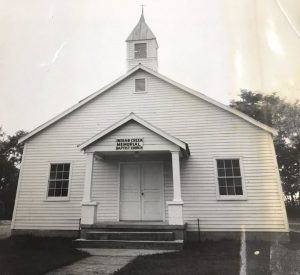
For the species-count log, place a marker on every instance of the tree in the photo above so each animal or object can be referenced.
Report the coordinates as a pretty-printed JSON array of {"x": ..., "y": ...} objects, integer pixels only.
[
  {"x": 284, "y": 117},
  {"x": 10, "y": 160}
]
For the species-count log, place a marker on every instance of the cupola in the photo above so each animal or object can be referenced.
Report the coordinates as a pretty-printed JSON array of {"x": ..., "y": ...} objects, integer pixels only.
[{"x": 142, "y": 46}]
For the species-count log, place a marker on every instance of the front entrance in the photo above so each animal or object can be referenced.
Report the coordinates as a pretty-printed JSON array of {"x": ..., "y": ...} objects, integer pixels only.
[{"x": 141, "y": 191}]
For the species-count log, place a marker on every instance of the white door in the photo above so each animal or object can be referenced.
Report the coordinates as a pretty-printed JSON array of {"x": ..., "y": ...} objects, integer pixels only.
[
  {"x": 152, "y": 193},
  {"x": 141, "y": 191},
  {"x": 130, "y": 192}
]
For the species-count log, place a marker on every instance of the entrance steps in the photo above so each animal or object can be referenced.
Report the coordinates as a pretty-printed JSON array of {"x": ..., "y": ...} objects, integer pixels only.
[{"x": 132, "y": 236}]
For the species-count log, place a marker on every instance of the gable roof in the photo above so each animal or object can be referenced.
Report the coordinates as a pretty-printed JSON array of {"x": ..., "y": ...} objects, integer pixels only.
[
  {"x": 160, "y": 76},
  {"x": 141, "y": 31},
  {"x": 139, "y": 120}
]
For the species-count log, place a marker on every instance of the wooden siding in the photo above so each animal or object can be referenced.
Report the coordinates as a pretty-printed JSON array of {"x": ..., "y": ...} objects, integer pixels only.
[{"x": 209, "y": 131}]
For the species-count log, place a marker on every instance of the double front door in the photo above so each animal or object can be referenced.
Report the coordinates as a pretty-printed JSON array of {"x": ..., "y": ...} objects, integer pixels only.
[{"x": 141, "y": 191}]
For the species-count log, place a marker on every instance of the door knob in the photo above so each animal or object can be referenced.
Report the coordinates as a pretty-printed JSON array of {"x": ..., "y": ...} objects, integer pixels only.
[{"x": 142, "y": 194}]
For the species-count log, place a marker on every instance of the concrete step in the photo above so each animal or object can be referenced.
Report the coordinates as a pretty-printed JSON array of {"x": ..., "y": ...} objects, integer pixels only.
[
  {"x": 129, "y": 244},
  {"x": 129, "y": 227},
  {"x": 120, "y": 226},
  {"x": 130, "y": 236}
]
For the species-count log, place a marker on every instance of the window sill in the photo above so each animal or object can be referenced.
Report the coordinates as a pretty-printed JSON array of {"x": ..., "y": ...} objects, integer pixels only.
[
  {"x": 144, "y": 92},
  {"x": 231, "y": 198},
  {"x": 56, "y": 199}
]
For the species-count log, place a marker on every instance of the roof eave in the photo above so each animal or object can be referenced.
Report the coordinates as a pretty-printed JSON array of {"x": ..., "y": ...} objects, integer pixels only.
[
  {"x": 79, "y": 104},
  {"x": 172, "y": 82},
  {"x": 212, "y": 101},
  {"x": 144, "y": 39},
  {"x": 142, "y": 122}
]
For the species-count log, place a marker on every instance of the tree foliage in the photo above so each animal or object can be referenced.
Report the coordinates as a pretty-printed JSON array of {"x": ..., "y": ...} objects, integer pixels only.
[
  {"x": 10, "y": 159},
  {"x": 285, "y": 118}
]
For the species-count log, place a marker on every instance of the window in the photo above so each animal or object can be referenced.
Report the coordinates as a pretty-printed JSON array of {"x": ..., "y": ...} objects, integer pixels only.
[
  {"x": 58, "y": 183},
  {"x": 140, "y": 50},
  {"x": 229, "y": 177},
  {"x": 140, "y": 85}
]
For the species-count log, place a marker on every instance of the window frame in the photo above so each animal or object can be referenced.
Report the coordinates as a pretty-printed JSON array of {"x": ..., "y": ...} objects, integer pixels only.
[
  {"x": 229, "y": 197},
  {"x": 146, "y": 85},
  {"x": 61, "y": 198},
  {"x": 140, "y": 58}
]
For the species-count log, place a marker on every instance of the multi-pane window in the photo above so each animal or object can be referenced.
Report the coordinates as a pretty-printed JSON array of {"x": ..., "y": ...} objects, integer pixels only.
[
  {"x": 229, "y": 177},
  {"x": 140, "y": 50},
  {"x": 140, "y": 85},
  {"x": 58, "y": 184}
]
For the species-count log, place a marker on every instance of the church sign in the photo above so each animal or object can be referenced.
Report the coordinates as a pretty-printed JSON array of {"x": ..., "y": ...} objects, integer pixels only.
[{"x": 129, "y": 144}]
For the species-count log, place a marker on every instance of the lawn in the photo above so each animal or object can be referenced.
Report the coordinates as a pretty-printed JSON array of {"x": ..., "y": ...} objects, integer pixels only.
[
  {"x": 220, "y": 257},
  {"x": 36, "y": 255}
]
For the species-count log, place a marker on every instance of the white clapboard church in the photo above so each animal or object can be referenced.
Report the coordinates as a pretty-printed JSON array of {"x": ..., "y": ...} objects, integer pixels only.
[{"x": 146, "y": 161}]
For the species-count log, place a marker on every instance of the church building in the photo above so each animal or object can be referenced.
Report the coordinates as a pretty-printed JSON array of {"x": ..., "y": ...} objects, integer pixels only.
[{"x": 148, "y": 162}]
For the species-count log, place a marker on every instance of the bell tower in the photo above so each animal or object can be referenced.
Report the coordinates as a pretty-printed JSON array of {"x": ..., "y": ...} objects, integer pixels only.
[{"x": 142, "y": 46}]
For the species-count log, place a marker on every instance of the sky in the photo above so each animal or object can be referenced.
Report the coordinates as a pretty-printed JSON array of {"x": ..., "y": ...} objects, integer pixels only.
[{"x": 55, "y": 53}]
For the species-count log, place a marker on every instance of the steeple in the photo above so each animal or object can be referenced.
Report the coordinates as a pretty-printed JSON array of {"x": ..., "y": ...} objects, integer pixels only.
[
  {"x": 142, "y": 46},
  {"x": 141, "y": 31}
]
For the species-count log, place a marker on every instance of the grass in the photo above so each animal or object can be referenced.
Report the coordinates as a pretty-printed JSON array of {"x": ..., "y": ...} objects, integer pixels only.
[
  {"x": 258, "y": 264},
  {"x": 220, "y": 257},
  {"x": 36, "y": 255}
]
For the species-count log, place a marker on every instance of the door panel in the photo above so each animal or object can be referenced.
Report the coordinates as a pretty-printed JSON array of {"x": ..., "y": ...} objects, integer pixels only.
[
  {"x": 141, "y": 191},
  {"x": 152, "y": 182},
  {"x": 130, "y": 193}
]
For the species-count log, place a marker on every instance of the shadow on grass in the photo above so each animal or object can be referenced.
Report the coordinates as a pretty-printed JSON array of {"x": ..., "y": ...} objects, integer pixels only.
[
  {"x": 258, "y": 257},
  {"x": 220, "y": 257},
  {"x": 36, "y": 255},
  {"x": 294, "y": 244}
]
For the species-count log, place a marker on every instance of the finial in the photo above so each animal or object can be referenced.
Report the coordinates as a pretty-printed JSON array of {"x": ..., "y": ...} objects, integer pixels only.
[{"x": 143, "y": 8}]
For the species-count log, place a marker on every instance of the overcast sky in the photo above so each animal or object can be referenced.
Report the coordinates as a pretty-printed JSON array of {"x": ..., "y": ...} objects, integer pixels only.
[{"x": 54, "y": 53}]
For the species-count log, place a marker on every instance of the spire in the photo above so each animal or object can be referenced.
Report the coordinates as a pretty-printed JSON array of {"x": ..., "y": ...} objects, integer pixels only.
[{"x": 141, "y": 30}]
